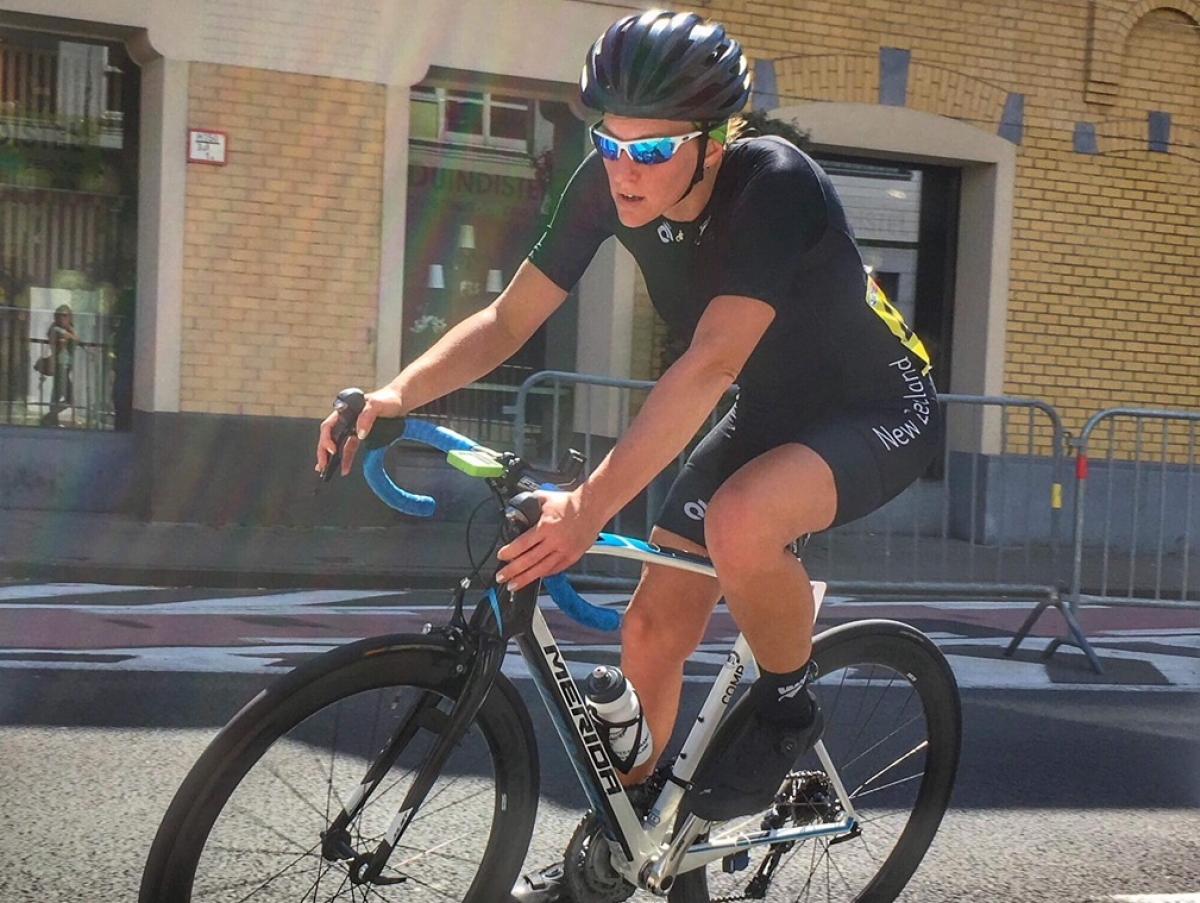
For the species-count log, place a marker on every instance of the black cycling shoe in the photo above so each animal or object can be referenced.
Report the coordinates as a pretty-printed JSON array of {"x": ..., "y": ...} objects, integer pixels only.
[
  {"x": 744, "y": 776},
  {"x": 546, "y": 885}
]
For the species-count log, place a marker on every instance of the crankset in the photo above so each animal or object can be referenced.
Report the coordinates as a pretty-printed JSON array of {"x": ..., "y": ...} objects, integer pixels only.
[{"x": 587, "y": 867}]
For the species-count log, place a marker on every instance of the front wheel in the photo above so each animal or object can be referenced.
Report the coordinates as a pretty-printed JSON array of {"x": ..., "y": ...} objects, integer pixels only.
[
  {"x": 893, "y": 730},
  {"x": 247, "y": 823}
]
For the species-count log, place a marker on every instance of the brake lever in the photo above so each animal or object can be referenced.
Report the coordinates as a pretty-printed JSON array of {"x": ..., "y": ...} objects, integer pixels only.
[{"x": 348, "y": 405}]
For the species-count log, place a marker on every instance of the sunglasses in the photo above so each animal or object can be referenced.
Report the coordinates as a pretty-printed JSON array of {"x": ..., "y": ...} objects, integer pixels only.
[{"x": 640, "y": 150}]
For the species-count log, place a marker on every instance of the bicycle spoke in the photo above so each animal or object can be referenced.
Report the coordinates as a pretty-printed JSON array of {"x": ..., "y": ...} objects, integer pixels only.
[
  {"x": 337, "y": 719},
  {"x": 458, "y": 802},
  {"x": 436, "y": 852},
  {"x": 262, "y": 824},
  {"x": 845, "y": 766},
  {"x": 833, "y": 861},
  {"x": 867, "y": 846},
  {"x": 874, "y": 709},
  {"x": 271, "y": 770},
  {"x": 224, "y": 849},
  {"x": 911, "y": 777},
  {"x": 912, "y": 752},
  {"x": 875, "y": 818},
  {"x": 239, "y": 884}
]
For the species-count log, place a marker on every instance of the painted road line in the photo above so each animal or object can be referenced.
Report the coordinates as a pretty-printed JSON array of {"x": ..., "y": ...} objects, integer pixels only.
[
  {"x": 1155, "y": 898},
  {"x": 273, "y": 603},
  {"x": 50, "y": 590}
]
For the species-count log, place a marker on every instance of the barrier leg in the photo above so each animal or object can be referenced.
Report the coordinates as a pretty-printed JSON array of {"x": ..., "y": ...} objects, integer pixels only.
[
  {"x": 1027, "y": 626},
  {"x": 1078, "y": 637},
  {"x": 1079, "y": 640}
]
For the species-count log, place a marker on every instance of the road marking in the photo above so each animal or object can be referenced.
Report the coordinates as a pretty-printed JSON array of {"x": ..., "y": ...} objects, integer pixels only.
[
  {"x": 1156, "y": 898},
  {"x": 40, "y": 590}
]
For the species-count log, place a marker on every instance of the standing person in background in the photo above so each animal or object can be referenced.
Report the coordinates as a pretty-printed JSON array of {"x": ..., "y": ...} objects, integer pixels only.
[{"x": 61, "y": 340}]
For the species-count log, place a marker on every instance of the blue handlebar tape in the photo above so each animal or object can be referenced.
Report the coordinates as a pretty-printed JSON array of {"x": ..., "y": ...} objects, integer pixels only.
[
  {"x": 578, "y": 608},
  {"x": 381, "y": 482}
]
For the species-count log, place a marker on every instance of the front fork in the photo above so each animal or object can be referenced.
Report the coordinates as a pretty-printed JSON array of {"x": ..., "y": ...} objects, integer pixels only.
[{"x": 480, "y": 662}]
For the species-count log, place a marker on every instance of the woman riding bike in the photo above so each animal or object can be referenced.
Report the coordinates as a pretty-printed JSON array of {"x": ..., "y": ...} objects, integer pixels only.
[{"x": 747, "y": 253}]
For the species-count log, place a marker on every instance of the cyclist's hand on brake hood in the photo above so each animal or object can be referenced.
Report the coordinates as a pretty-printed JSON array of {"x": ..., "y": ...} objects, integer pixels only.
[
  {"x": 383, "y": 402},
  {"x": 565, "y": 531}
]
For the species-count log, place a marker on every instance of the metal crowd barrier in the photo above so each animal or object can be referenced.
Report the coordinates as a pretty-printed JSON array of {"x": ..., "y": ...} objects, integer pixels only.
[
  {"x": 1133, "y": 538},
  {"x": 986, "y": 521}
]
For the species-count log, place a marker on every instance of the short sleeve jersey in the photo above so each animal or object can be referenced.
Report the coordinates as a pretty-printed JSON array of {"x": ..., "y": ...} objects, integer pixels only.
[{"x": 774, "y": 230}]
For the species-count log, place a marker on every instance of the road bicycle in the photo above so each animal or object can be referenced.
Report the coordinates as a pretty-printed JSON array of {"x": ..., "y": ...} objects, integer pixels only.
[{"x": 404, "y": 767}]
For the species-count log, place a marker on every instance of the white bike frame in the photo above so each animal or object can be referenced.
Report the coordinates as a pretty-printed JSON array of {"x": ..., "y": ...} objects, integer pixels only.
[{"x": 647, "y": 854}]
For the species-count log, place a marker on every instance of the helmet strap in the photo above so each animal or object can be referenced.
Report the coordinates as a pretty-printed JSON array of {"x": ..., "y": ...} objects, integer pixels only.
[{"x": 698, "y": 175}]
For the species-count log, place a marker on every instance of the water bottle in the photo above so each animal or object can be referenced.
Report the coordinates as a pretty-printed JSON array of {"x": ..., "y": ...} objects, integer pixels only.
[{"x": 617, "y": 711}]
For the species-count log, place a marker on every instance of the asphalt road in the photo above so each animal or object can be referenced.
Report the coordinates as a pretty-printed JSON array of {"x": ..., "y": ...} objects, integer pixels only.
[
  {"x": 1063, "y": 796},
  {"x": 1072, "y": 787}
]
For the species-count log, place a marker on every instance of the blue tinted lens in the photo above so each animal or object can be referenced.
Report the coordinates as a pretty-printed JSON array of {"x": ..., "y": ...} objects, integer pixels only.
[
  {"x": 608, "y": 148},
  {"x": 655, "y": 150}
]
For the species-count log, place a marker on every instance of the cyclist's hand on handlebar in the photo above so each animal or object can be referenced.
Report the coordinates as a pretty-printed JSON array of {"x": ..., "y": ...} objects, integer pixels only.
[
  {"x": 383, "y": 402},
  {"x": 564, "y": 533}
]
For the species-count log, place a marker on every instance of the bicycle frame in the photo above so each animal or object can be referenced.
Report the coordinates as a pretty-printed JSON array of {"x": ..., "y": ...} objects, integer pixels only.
[{"x": 648, "y": 859}]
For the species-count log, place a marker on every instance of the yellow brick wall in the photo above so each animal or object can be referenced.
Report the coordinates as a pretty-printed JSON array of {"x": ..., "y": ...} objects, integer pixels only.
[
  {"x": 281, "y": 255},
  {"x": 1104, "y": 270}
]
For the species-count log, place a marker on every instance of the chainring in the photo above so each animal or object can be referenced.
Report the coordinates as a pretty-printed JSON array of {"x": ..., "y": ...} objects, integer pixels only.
[{"x": 587, "y": 867}]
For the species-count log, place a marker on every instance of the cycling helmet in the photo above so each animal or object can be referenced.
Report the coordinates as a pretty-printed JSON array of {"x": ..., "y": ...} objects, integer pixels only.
[{"x": 661, "y": 65}]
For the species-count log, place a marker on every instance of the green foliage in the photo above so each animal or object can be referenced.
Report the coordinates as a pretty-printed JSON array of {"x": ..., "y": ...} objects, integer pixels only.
[{"x": 759, "y": 122}]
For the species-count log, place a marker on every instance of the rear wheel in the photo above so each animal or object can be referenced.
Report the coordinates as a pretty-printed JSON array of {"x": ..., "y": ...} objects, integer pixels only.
[
  {"x": 893, "y": 731},
  {"x": 247, "y": 823}
]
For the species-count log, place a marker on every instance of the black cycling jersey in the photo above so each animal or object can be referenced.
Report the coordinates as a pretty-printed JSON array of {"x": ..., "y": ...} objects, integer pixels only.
[
  {"x": 774, "y": 229},
  {"x": 837, "y": 370}
]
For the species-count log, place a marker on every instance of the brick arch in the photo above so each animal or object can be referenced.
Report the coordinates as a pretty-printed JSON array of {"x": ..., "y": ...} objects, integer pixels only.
[{"x": 1110, "y": 30}]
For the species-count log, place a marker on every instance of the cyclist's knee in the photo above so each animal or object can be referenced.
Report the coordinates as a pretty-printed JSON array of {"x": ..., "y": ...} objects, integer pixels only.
[
  {"x": 735, "y": 533},
  {"x": 668, "y": 614},
  {"x": 656, "y": 637}
]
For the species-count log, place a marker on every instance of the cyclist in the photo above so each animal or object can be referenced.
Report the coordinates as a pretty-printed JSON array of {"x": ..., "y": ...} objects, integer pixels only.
[{"x": 746, "y": 251}]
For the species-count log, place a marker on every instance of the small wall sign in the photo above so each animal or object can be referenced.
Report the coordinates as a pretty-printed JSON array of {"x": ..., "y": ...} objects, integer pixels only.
[{"x": 207, "y": 146}]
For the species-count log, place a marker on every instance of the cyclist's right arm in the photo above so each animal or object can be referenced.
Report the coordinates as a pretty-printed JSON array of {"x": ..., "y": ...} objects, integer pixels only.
[{"x": 470, "y": 350}]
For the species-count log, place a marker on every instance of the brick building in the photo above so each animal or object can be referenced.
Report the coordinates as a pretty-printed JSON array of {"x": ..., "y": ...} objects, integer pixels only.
[{"x": 1027, "y": 177}]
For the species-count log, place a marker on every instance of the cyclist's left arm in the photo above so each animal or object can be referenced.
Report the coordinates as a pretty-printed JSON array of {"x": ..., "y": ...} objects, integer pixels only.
[{"x": 728, "y": 331}]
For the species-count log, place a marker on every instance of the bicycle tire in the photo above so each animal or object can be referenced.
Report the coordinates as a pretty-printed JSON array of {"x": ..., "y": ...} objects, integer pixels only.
[
  {"x": 380, "y": 663},
  {"x": 906, "y": 652}
]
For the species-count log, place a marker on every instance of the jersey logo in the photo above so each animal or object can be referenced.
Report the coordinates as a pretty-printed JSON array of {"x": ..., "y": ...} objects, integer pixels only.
[
  {"x": 883, "y": 308},
  {"x": 667, "y": 235}
]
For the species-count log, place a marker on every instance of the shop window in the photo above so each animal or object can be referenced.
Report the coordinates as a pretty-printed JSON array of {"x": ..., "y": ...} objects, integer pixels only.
[
  {"x": 478, "y": 118},
  {"x": 68, "y": 231},
  {"x": 485, "y": 169}
]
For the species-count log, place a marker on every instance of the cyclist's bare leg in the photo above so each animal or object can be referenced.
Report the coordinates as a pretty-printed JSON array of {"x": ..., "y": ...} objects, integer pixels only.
[
  {"x": 754, "y": 516},
  {"x": 664, "y": 624}
]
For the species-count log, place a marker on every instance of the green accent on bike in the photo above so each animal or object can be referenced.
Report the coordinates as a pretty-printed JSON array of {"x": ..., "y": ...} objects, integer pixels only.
[{"x": 476, "y": 463}]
